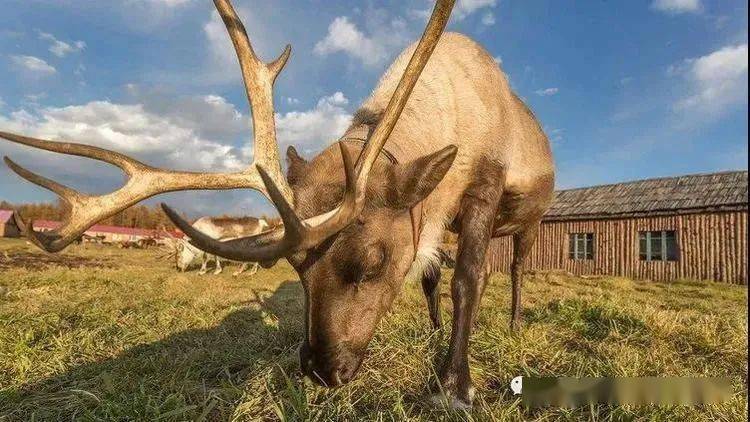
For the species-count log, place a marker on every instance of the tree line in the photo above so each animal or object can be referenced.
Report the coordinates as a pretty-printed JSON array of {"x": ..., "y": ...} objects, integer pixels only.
[{"x": 140, "y": 216}]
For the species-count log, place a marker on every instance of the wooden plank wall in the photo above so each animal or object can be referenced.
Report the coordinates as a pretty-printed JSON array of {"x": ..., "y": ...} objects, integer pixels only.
[{"x": 712, "y": 246}]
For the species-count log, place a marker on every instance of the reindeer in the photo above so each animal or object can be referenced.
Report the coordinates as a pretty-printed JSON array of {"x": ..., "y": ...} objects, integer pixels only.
[
  {"x": 221, "y": 228},
  {"x": 453, "y": 149}
]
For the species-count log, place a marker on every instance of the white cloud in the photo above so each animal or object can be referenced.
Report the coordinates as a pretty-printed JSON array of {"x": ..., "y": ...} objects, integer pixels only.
[
  {"x": 488, "y": 19},
  {"x": 555, "y": 135},
  {"x": 61, "y": 48},
  {"x": 33, "y": 64},
  {"x": 147, "y": 16},
  {"x": 134, "y": 129},
  {"x": 383, "y": 35},
  {"x": 168, "y": 3},
  {"x": 466, "y": 7},
  {"x": 498, "y": 59},
  {"x": 677, "y": 6},
  {"x": 310, "y": 129},
  {"x": 462, "y": 9},
  {"x": 546, "y": 91},
  {"x": 219, "y": 41},
  {"x": 208, "y": 116},
  {"x": 717, "y": 80},
  {"x": 187, "y": 133},
  {"x": 344, "y": 36}
]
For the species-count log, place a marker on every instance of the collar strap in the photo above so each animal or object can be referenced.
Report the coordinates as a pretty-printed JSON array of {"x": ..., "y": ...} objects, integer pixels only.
[{"x": 415, "y": 212}]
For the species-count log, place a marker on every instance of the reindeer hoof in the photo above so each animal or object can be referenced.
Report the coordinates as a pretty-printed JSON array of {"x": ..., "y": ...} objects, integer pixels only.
[{"x": 447, "y": 400}]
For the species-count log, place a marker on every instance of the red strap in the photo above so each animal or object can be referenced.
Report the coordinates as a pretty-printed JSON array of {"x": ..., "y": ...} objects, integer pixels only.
[{"x": 416, "y": 224}]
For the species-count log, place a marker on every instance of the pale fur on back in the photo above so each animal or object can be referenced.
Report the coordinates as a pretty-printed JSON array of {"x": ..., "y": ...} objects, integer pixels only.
[
  {"x": 462, "y": 98},
  {"x": 226, "y": 228}
]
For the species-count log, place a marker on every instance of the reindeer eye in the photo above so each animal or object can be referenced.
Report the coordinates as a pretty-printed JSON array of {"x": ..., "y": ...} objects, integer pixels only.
[{"x": 373, "y": 264}]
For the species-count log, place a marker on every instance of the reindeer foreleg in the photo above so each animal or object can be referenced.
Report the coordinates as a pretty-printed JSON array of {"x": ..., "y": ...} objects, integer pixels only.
[
  {"x": 476, "y": 219},
  {"x": 204, "y": 264}
]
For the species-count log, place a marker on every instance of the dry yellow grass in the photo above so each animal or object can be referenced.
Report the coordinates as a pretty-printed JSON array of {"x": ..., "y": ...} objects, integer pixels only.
[{"x": 136, "y": 340}]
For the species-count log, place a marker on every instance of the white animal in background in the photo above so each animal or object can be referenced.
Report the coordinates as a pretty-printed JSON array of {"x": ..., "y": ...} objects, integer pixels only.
[{"x": 222, "y": 228}]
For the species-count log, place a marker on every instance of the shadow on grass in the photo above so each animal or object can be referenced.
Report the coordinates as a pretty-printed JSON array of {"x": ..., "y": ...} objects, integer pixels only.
[{"x": 194, "y": 374}]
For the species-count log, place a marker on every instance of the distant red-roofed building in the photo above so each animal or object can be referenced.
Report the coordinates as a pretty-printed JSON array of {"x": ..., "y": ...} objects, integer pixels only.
[{"x": 8, "y": 226}]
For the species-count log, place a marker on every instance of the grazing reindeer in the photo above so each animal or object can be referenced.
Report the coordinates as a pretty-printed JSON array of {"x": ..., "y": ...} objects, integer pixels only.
[
  {"x": 221, "y": 228},
  {"x": 353, "y": 229}
]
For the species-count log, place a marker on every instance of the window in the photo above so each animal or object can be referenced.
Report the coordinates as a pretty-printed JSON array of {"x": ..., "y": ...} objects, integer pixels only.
[
  {"x": 581, "y": 246},
  {"x": 658, "y": 245}
]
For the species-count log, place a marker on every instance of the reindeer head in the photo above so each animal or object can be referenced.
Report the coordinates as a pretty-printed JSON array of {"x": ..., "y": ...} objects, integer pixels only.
[
  {"x": 346, "y": 227},
  {"x": 352, "y": 277},
  {"x": 186, "y": 254}
]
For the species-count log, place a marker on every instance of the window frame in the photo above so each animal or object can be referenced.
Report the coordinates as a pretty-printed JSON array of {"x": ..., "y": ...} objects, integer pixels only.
[
  {"x": 575, "y": 254},
  {"x": 664, "y": 255}
]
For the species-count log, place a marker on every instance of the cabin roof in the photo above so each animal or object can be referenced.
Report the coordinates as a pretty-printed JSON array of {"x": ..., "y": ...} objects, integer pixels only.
[
  {"x": 693, "y": 193},
  {"x": 102, "y": 229},
  {"x": 5, "y": 216}
]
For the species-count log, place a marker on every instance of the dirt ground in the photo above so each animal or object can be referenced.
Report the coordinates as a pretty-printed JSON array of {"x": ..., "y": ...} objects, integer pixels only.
[{"x": 41, "y": 261}]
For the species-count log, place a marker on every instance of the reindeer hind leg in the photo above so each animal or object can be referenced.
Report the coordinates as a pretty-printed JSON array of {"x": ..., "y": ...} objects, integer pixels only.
[
  {"x": 218, "y": 268},
  {"x": 522, "y": 243},
  {"x": 431, "y": 289},
  {"x": 242, "y": 269}
]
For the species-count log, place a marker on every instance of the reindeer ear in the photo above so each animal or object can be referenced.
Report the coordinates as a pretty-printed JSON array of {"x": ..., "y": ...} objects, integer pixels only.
[
  {"x": 296, "y": 165},
  {"x": 413, "y": 181}
]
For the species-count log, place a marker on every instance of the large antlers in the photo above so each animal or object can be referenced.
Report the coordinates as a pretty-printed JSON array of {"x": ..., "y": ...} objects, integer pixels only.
[
  {"x": 300, "y": 235},
  {"x": 145, "y": 181}
]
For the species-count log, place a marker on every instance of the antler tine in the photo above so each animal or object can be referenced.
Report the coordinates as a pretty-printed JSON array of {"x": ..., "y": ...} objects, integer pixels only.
[
  {"x": 127, "y": 164},
  {"x": 49, "y": 242},
  {"x": 68, "y": 194},
  {"x": 275, "y": 246},
  {"x": 277, "y": 65}
]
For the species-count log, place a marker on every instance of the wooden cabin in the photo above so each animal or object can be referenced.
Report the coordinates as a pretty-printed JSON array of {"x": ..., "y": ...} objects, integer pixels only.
[
  {"x": 108, "y": 234},
  {"x": 8, "y": 226},
  {"x": 688, "y": 227}
]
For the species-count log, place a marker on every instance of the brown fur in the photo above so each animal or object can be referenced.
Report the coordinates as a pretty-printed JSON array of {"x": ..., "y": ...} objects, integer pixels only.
[{"x": 499, "y": 183}]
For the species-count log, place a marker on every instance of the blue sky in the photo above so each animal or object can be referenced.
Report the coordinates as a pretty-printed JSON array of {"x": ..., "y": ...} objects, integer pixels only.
[{"x": 624, "y": 89}]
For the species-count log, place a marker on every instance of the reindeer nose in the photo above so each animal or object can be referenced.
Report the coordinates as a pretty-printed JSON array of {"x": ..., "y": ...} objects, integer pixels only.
[
  {"x": 344, "y": 373},
  {"x": 330, "y": 369}
]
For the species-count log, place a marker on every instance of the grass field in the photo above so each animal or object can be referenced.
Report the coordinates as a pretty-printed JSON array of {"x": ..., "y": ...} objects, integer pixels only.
[{"x": 122, "y": 336}]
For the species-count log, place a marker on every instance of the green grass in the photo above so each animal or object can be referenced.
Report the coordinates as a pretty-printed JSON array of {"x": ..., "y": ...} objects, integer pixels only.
[{"x": 129, "y": 338}]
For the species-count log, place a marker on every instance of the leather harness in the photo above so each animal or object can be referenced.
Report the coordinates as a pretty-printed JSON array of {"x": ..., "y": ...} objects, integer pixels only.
[{"x": 415, "y": 212}]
